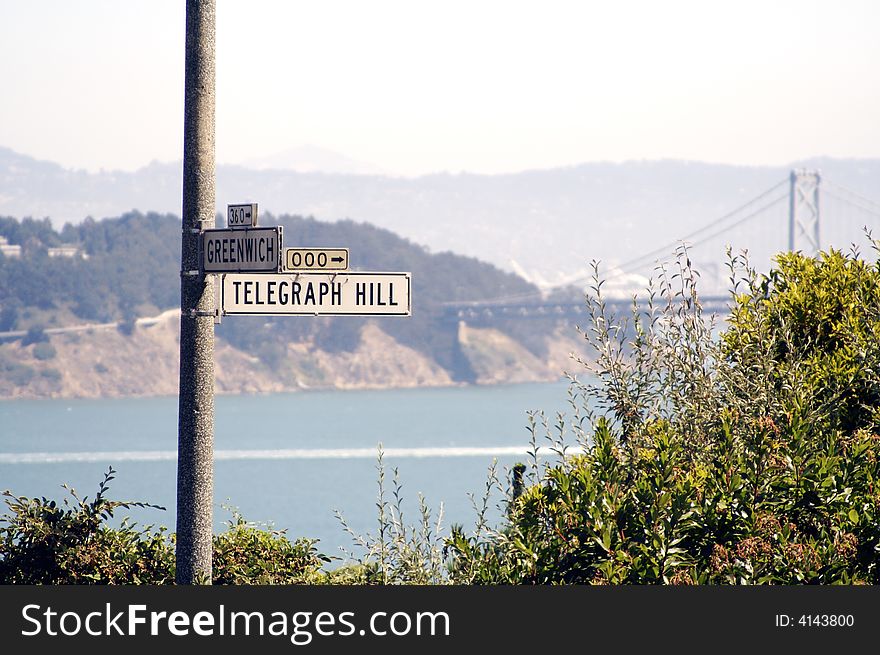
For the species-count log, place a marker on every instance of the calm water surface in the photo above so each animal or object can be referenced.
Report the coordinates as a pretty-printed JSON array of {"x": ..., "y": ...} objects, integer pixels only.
[{"x": 288, "y": 459}]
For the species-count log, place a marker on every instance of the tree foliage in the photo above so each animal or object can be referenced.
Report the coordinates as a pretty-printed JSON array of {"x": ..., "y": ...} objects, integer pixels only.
[
  {"x": 819, "y": 320},
  {"x": 127, "y": 262},
  {"x": 748, "y": 459},
  {"x": 44, "y": 542},
  {"x": 436, "y": 277},
  {"x": 132, "y": 265}
]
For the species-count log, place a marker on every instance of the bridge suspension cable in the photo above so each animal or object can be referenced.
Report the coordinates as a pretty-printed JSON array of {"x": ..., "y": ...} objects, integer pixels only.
[
  {"x": 744, "y": 219},
  {"x": 711, "y": 230},
  {"x": 649, "y": 257},
  {"x": 856, "y": 200}
]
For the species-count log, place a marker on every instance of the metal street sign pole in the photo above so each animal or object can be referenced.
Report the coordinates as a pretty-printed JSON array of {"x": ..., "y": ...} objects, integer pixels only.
[{"x": 195, "y": 446}]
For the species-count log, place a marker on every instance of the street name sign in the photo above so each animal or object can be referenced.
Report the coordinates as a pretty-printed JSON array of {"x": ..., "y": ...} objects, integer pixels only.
[
  {"x": 317, "y": 294},
  {"x": 316, "y": 259},
  {"x": 241, "y": 216},
  {"x": 237, "y": 250}
]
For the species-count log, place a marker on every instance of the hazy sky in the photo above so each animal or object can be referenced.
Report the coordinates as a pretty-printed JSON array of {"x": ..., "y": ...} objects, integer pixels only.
[{"x": 423, "y": 86}]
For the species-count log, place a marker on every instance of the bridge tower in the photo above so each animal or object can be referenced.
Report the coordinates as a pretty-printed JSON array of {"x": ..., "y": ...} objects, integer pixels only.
[{"x": 803, "y": 211}]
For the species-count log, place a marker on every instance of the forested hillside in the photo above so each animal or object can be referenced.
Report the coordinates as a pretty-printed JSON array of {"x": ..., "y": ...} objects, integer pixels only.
[
  {"x": 128, "y": 266},
  {"x": 550, "y": 222}
]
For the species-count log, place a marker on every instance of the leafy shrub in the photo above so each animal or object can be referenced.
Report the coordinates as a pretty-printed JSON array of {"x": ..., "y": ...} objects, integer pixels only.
[
  {"x": 51, "y": 374},
  {"x": 127, "y": 325},
  {"x": 43, "y": 542},
  {"x": 44, "y": 351},
  {"x": 8, "y": 317},
  {"x": 778, "y": 509},
  {"x": 746, "y": 459},
  {"x": 35, "y": 334},
  {"x": 15, "y": 372},
  {"x": 246, "y": 554},
  {"x": 819, "y": 318}
]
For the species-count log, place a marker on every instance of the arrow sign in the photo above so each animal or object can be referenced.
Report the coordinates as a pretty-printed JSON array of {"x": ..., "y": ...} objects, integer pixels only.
[
  {"x": 317, "y": 294},
  {"x": 316, "y": 259},
  {"x": 241, "y": 216}
]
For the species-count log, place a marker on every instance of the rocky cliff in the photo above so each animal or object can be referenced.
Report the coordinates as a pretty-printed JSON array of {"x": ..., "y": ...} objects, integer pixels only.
[{"x": 108, "y": 363}]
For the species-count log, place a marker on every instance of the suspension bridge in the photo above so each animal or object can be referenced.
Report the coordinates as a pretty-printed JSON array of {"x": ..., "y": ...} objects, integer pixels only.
[{"x": 802, "y": 212}]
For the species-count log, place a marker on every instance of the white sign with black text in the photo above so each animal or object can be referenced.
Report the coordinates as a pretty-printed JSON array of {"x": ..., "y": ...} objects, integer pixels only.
[
  {"x": 317, "y": 294},
  {"x": 241, "y": 216},
  {"x": 234, "y": 250}
]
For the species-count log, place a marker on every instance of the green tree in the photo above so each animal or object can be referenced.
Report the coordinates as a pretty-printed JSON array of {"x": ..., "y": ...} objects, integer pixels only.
[
  {"x": 820, "y": 320},
  {"x": 747, "y": 459}
]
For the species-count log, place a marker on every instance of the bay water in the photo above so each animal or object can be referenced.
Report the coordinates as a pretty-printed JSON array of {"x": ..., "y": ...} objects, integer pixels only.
[{"x": 290, "y": 460}]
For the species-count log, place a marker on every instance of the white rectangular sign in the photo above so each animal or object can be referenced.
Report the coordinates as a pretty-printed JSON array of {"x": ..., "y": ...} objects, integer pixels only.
[
  {"x": 240, "y": 216},
  {"x": 316, "y": 259},
  {"x": 317, "y": 294},
  {"x": 232, "y": 251}
]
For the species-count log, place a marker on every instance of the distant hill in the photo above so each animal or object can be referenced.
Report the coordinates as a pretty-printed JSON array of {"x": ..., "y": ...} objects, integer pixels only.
[
  {"x": 546, "y": 224},
  {"x": 128, "y": 267},
  {"x": 311, "y": 159}
]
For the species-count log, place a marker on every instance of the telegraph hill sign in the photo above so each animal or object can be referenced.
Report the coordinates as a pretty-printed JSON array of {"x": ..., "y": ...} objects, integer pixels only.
[
  {"x": 261, "y": 277},
  {"x": 317, "y": 294}
]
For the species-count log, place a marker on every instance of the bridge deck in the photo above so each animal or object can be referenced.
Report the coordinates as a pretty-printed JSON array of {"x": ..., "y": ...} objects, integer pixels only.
[{"x": 490, "y": 309}]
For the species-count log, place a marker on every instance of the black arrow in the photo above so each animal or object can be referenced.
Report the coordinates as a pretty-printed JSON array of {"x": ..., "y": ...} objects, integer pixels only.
[{"x": 337, "y": 259}]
